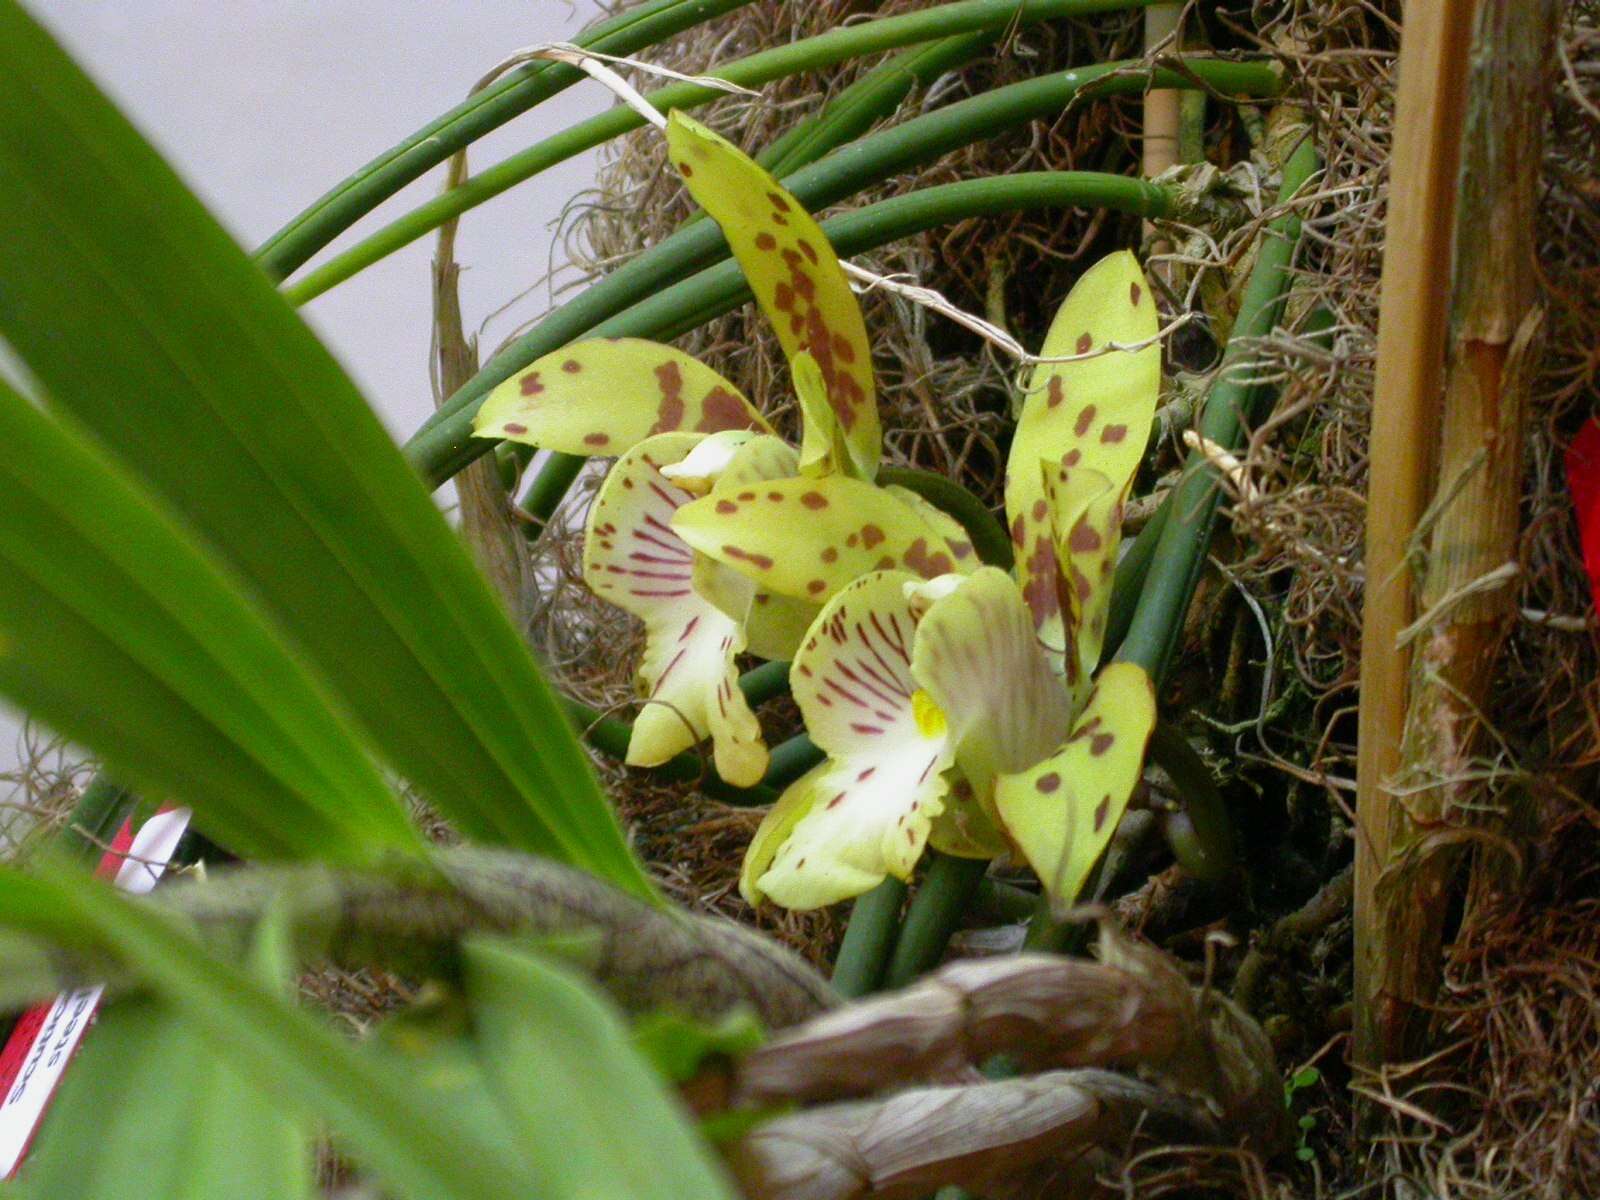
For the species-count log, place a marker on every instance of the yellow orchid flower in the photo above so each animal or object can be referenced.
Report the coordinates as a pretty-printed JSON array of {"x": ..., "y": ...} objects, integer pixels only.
[
  {"x": 680, "y": 535},
  {"x": 962, "y": 712}
]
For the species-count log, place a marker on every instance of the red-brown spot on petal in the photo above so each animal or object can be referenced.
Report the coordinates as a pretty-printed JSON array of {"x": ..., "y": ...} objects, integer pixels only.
[
  {"x": 783, "y": 297},
  {"x": 1085, "y": 419},
  {"x": 1048, "y": 783},
  {"x": 1019, "y": 530},
  {"x": 760, "y": 561},
  {"x": 830, "y": 554},
  {"x": 1100, "y": 743},
  {"x": 816, "y": 586},
  {"x": 1084, "y": 343},
  {"x": 685, "y": 170},
  {"x": 596, "y": 439},
  {"x": 1081, "y": 585},
  {"x": 1040, "y": 508},
  {"x": 1085, "y": 539},
  {"x": 814, "y": 500},
  {"x": 775, "y": 497},
  {"x": 1053, "y": 394},
  {"x": 884, "y": 564},
  {"x": 778, "y": 202},
  {"x": 1102, "y": 811},
  {"x": 836, "y": 801},
  {"x": 929, "y": 566},
  {"x": 572, "y": 366},
  {"x": 1071, "y": 458},
  {"x": 669, "y": 416},
  {"x": 514, "y": 427},
  {"x": 747, "y": 496},
  {"x": 765, "y": 241},
  {"x": 727, "y": 506},
  {"x": 531, "y": 385},
  {"x": 1113, "y": 433},
  {"x": 805, "y": 248},
  {"x": 871, "y": 535},
  {"x": 723, "y": 410},
  {"x": 1134, "y": 293},
  {"x": 842, "y": 349}
]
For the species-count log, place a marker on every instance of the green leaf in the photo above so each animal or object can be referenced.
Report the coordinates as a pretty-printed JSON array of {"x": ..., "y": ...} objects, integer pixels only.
[
  {"x": 136, "y": 313},
  {"x": 591, "y": 1116},
  {"x": 152, "y": 1112},
  {"x": 115, "y": 630},
  {"x": 411, "y": 1137},
  {"x": 677, "y": 1044}
]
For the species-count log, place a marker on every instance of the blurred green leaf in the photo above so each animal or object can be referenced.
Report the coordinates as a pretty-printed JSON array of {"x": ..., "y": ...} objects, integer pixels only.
[
  {"x": 592, "y": 1118},
  {"x": 151, "y": 1111},
  {"x": 137, "y": 314},
  {"x": 409, "y": 1135},
  {"x": 677, "y": 1044},
  {"x": 115, "y": 630}
]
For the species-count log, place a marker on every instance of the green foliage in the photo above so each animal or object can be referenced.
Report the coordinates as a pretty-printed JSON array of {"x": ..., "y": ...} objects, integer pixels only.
[
  {"x": 1300, "y": 1081},
  {"x": 149, "y": 1081},
  {"x": 149, "y": 329}
]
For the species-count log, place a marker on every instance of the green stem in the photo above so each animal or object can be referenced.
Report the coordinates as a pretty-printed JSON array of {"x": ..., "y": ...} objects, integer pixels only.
[
  {"x": 809, "y": 54},
  {"x": 790, "y": 760},
  {"x": 1201, "y": 835},
  {"x": 947, "y": 890},
  {"x": 1003, "y": 902},
  {"x": 548, "y": 489},
  {"x": 1234, "y": 399},
  {"x": 871, "y": 931},
  {"x": 445, "y": 443},
  {"x": 519, "y": 90},
  {"x": 875, "y": 95},
  {"x": 1132, "y": 571}
]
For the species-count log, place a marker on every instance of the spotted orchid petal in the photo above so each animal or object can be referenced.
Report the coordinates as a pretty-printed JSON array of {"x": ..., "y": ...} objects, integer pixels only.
[
  {"x": 1086, "y": 530},
  {"x": 808, "y": 538},
  {"x": 1092, "y": 414},
  {"x": 824, "y": 449},
  {"x": 866, "y": 812},
  {"x": 977, "y": 658},
  {"x": 777, "y": 625},
  {"x": 793, "y": 272},
  {"x": 603, "y": 397},
  {"x": 952, "y": 530},
  {"x": 1062, "y": 811},
  {"x": 688, "y": 675}
]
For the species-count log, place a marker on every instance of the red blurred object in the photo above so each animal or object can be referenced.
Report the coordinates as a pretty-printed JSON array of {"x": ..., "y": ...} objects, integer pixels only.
[{"x": 1583, "y": 480}]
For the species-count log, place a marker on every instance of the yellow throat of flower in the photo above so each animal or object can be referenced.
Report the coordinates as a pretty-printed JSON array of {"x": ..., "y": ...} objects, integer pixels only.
[{"x": 930, "y": 718}]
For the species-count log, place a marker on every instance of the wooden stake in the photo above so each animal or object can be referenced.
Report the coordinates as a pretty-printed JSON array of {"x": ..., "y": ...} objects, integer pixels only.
[{"x": 1418, "y": 723}]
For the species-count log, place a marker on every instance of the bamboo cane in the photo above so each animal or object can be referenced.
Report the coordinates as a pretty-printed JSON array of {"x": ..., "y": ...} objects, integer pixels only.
[
  {"x": 1429, "y": 107},
  {"x": 1471, "y": 530}
]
